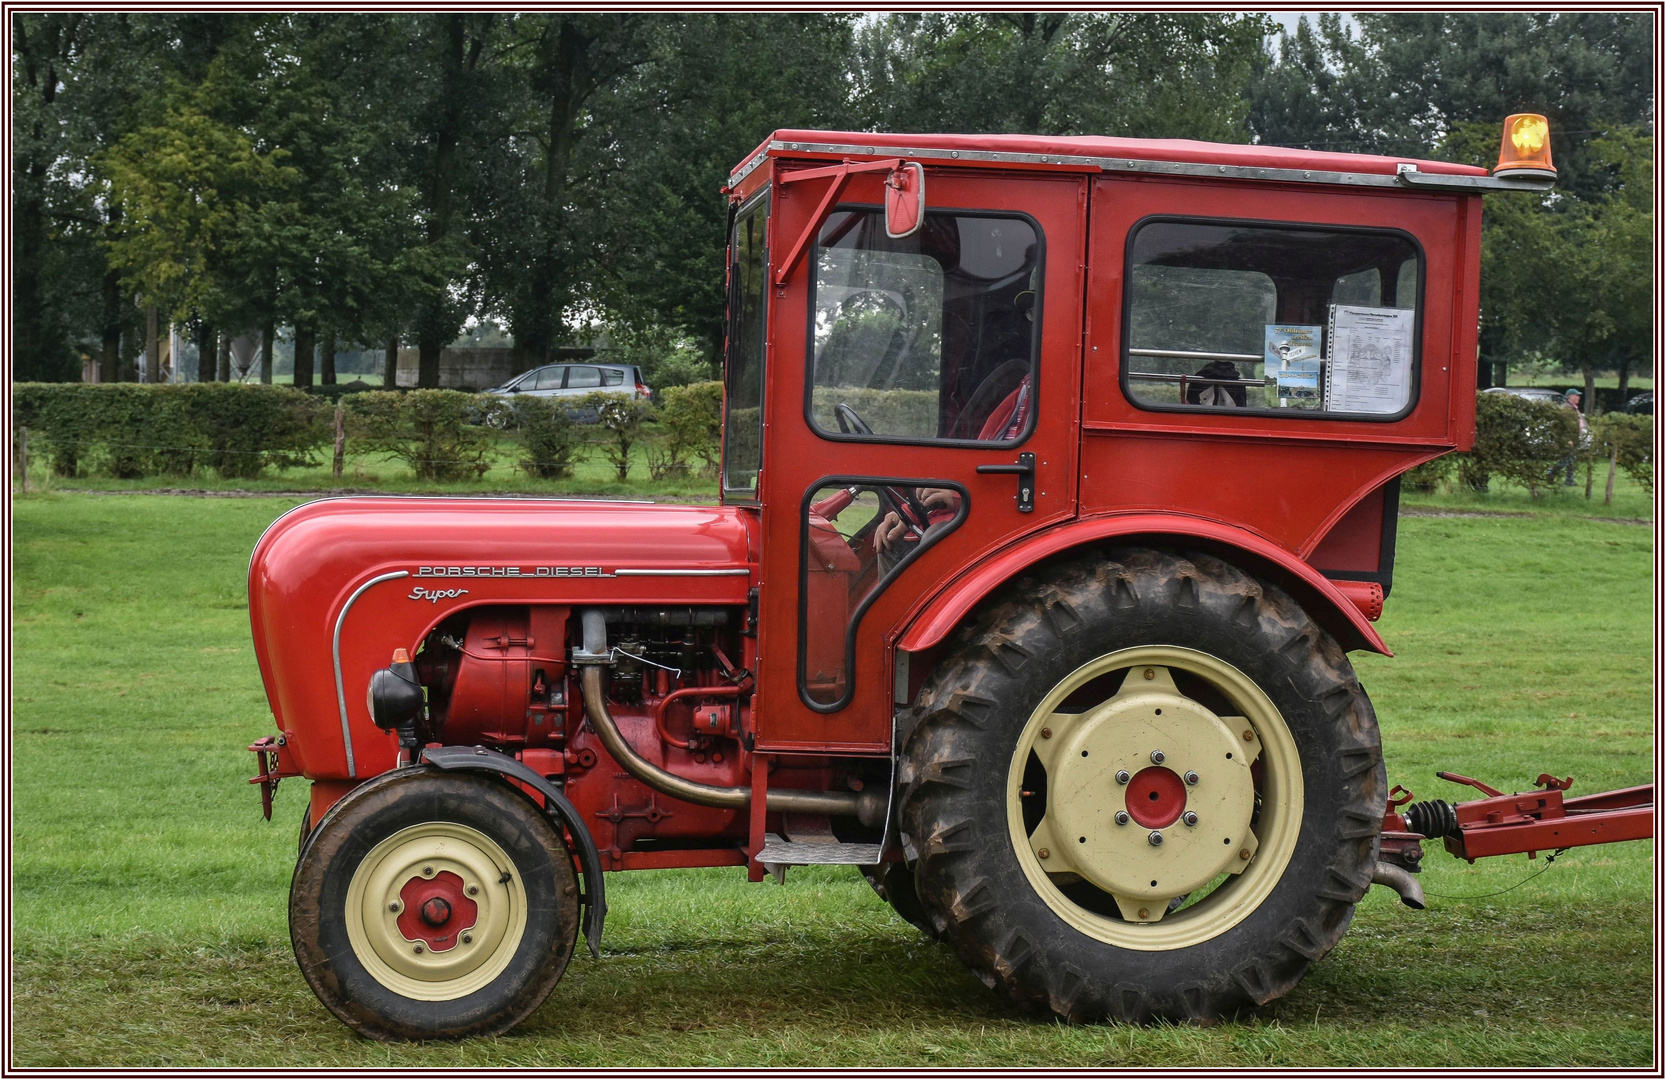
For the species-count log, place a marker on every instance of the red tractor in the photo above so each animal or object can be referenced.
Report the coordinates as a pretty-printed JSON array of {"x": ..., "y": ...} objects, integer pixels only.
[{"x": 1060, "y": 476}]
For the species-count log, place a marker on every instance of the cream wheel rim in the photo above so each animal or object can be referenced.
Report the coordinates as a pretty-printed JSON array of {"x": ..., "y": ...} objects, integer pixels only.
[
  {"x": 1152, "y": 795},
  {"x": 428, "y": 950}
]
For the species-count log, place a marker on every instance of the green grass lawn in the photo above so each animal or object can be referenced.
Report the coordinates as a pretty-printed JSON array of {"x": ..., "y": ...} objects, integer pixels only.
[{"x": 148, "y": 897}]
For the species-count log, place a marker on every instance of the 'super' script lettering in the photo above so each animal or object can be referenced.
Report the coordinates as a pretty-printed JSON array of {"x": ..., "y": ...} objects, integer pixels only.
[{"x": 434, "y": 596}]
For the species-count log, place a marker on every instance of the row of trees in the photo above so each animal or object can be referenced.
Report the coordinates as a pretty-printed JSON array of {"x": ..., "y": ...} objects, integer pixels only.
[{"x": 379, "y": 178}]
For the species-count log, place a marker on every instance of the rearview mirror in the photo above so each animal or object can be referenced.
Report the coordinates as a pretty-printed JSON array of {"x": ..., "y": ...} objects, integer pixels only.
[{"x": 905, "y": 200}]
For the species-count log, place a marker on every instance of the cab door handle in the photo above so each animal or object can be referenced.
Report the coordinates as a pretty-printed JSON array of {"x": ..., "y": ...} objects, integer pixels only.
[{"x": 1024, "y": 469}]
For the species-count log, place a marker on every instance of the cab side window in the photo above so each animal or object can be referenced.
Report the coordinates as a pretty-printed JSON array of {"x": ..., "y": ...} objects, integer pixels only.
[
  {"x": 1284, "y": 319},
  {"x": 931, "y": 337}
]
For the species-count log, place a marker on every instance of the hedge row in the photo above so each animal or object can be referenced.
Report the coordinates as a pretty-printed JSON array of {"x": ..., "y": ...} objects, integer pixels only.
[
  {"x": 131, "y": 430},
  {"x": 1531, "y": 443}
]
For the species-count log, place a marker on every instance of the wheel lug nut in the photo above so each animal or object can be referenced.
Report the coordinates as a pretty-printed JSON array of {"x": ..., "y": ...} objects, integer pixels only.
[
  {"x": 1243, "y": 854},
  {"x": 1191, "y": 778},
  {"x": 473, "y": 890},
  {"x": 416, "y": 948},
  {"x": 468, "y": 939},
  {"x": 1155, "y": 839},
  {"x": 1044, "y": 853},
  {"x": 394, "y": 906},
  {"x": 1122, "y": 776},
  {"x": 427, "y": 871},
  {"x": 1046, "y": 733},
  {"x": 1249, "y": 736},
  {"x": 1121, "y": 817},
  {"x": 1156, "y": 757},
  {"x": 1145, "y": 913},
  {"x": 1189, "y": 818}
]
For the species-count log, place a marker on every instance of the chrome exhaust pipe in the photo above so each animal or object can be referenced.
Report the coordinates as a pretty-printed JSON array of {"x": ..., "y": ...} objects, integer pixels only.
[{"x": 866, "y": 806}]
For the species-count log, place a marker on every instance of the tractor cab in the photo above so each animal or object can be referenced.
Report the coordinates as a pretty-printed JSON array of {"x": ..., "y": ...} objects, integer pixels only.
[{"x": 951, "y": 352}]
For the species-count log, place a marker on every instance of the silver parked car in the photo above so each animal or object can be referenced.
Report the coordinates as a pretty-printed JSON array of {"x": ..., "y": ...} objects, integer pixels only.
[{"x": 575, "y": 380}]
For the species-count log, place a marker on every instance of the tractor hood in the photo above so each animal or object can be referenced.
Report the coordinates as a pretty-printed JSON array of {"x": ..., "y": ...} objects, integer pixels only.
[{"x": 336, "y": 585}]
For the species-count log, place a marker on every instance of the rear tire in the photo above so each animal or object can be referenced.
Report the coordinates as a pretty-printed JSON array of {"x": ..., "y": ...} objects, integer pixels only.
[
  {"x": 993, "y": 797},
  {"x": 894, "y": 884},
  {"x": 433, "y": 905}
]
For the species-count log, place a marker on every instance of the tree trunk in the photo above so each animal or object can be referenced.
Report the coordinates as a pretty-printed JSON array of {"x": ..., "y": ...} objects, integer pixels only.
[
  {"x": 306, "y": 341},
  {"x": 268, "y": 342},
  {"x": 206, "y": 340},
  {"x": 1589, "y": 402},
  {"x": 1625, "y": 380},
  {"x": 222, "y": 371},
  {"x": 153, "y": 348},
  {"x": 327, "y": 358},
  {"x": 390, "y": 364},
  {"x": 109, "y": 365},
  {"x": 124, "y": 354},
  {"x": 428, "y": 360}
]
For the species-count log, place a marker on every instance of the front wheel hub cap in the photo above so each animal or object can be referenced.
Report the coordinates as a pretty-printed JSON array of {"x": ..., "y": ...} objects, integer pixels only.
[{"x": 1143, "y": 869}]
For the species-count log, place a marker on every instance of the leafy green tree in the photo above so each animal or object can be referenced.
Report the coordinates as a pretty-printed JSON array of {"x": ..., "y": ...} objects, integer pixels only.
[
  {"x": 667, "y": 135},
  {"x": 1149, "y": 74}
]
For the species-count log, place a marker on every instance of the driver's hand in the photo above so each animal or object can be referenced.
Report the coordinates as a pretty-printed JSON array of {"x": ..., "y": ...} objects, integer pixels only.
[
  {"x": 939, "y": 498},
  {"x": 892, "y": 528}
]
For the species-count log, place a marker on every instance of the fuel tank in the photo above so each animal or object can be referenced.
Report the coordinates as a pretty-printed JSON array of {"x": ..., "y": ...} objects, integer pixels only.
[{"x": 336, "y": 585}]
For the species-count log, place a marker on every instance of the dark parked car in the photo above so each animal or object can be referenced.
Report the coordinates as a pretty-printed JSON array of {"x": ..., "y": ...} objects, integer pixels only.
[{"x": 1642, "y": 404}]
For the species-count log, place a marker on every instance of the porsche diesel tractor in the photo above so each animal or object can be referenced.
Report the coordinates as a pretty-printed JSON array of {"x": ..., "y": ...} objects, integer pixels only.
[{"x": 1059, "y": 478}]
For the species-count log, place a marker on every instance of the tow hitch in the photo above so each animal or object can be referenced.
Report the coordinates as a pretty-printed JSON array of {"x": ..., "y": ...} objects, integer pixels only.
[{"x": 1499, "y": 824}]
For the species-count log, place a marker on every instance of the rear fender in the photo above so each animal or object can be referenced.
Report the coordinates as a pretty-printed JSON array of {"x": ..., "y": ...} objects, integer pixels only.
[{"x": 1255, "y": 554}]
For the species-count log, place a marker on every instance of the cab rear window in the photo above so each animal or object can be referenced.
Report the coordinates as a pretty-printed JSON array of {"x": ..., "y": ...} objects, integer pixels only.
[{"x": 1261, "y": 318}]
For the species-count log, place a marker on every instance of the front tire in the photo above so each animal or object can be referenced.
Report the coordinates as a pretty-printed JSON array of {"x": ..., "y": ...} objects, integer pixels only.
[
  {"x": 433, "y": 905},
  {"x": 1143, "y": 786}
]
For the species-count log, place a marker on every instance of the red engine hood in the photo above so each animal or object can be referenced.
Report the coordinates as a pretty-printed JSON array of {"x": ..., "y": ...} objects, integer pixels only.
[{"x": 336, "y": 585}]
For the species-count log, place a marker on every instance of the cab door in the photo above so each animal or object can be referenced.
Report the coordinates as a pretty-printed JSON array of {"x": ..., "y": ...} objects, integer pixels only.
[{"x": 922, "y": 411}]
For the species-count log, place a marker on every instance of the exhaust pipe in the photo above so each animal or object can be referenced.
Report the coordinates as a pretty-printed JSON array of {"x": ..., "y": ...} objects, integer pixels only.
[
  {"x": 1396, "y": 878},
  {"x": 866, "y": 806}
]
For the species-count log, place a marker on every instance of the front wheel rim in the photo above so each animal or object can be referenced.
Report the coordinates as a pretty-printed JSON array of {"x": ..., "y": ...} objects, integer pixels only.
[
  {"x": 436, "y": 911},
  {"x": 1094, "y": 757}
]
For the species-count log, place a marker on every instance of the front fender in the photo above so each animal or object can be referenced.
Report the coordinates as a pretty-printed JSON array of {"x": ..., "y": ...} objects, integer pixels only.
[{"x": 1317, "y": 594}]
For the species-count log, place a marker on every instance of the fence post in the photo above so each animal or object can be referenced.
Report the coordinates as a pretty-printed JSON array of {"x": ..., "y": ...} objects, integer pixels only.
[
  {"x": 341, "y": 441},
  {"x": 23, "y": 456}
]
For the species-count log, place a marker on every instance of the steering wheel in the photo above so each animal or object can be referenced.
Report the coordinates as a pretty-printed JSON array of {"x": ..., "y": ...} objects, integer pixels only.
[{"x": 901, "y": 501}]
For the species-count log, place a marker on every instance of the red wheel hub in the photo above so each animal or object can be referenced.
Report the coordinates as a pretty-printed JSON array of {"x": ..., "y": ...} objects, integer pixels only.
[
  {"x": 436, "y": 910},
  {"x": 1156, "y": 796}
]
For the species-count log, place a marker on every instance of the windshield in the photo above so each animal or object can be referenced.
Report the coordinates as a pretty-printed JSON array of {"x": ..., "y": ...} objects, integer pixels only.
[{"x": 744, "y": 387}]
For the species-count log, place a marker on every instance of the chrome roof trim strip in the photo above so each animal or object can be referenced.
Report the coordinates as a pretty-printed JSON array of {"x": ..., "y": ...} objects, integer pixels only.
[{"x": 1408, "y": 175}]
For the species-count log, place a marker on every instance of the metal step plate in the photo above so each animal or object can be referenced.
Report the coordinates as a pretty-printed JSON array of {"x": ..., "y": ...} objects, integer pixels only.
[{"x": 779, "y": 851}]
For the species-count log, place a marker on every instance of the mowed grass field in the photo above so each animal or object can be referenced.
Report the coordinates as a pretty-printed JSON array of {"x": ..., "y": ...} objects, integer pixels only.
[{"x": 148, "y": 896}]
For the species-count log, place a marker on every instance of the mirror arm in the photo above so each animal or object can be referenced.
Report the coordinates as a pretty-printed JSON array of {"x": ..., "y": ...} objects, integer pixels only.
[{"x": 839, "y": 173}]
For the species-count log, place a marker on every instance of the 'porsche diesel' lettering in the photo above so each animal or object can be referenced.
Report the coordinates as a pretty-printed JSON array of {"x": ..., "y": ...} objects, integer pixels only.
[{"x": 512, "y": 571}]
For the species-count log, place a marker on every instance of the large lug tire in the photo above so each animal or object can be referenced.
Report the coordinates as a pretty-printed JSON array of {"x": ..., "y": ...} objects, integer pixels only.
[
  {"x": 1225, "y": 878},
  {"x": 433, "y": 905},
  {"x": 894, "y": 884}
]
